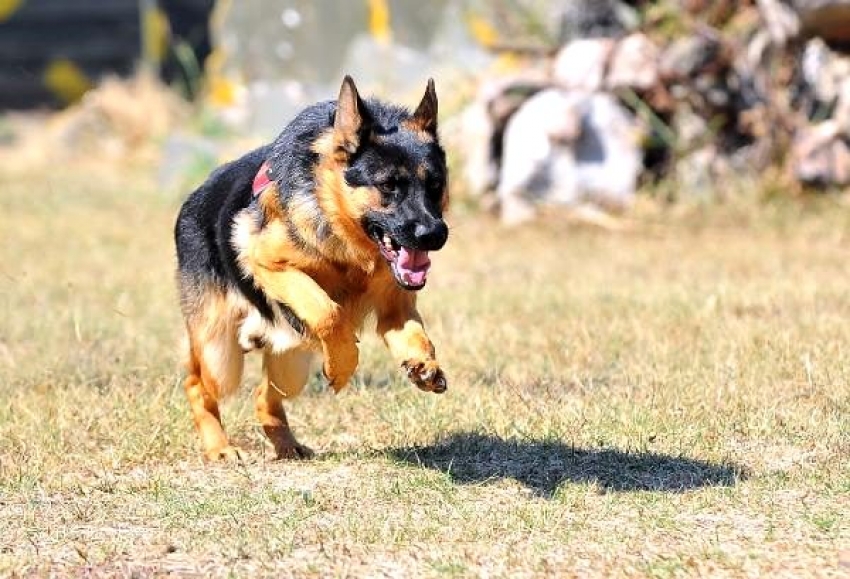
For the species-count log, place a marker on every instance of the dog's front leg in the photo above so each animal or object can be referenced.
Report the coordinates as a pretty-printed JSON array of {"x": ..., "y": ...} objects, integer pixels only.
[
  {"x": 400, "y": 326},
  {"x": 322, "y": 316}
]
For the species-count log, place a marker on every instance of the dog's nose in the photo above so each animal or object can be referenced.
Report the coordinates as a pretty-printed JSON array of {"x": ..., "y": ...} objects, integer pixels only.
[{"x": 431, "y": 237}]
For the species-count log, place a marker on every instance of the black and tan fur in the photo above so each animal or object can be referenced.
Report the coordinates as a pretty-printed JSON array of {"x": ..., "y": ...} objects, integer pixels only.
[{"x": 296, "y": 269}]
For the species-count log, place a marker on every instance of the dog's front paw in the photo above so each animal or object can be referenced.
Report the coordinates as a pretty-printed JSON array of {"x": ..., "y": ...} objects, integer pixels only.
[
  {"x": 225, "y": 454},
  {"x": 426, "y": 375},
  {"x": 341, "y": 359}
]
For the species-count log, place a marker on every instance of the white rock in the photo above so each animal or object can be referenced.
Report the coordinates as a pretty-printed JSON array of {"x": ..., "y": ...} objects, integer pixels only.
[
  {"x": 581, "y": 64},
  {"x": 634, "y": 63},
  {"x": 820, "y": 157},
  {"x": 476, "y": 135},
  {"x": 568, "y": 147}
]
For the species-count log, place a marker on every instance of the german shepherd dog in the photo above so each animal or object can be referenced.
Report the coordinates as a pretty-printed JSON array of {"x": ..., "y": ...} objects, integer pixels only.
[{"x": 288, "y": 249}]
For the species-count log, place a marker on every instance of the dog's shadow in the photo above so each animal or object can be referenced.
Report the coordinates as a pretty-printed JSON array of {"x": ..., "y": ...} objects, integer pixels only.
[{"x": 542, "y": 466}]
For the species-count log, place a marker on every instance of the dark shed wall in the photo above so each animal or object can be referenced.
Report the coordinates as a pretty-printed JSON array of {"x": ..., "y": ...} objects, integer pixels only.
[{"x": 94, "y": 36}]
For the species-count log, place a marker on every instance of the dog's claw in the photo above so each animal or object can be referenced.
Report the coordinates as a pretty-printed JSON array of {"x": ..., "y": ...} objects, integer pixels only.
[
  {"x": 440, "y": 384},
  {"x": 335, "y": 386},
  {"x": 427, "y": 376}
]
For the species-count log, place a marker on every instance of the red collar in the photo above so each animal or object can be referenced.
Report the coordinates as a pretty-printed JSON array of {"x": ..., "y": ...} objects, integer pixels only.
[{"x": 262, "y": 180}]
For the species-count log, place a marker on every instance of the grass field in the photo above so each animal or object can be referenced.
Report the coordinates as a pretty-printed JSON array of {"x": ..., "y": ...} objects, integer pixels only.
[{"x": 673, "y": 400}]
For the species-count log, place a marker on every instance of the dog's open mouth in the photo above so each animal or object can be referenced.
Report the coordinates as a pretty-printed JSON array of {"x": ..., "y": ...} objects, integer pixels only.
[{"x": 410, "y": 266}]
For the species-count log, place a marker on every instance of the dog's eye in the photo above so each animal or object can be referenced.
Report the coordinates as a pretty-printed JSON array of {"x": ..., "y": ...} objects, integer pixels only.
[
  {"x": 390, "y": 187},
  {"x": 435, "y": 186}
]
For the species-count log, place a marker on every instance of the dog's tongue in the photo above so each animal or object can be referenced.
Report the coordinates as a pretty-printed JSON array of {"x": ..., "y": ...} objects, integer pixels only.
[{"x": 413, "y": 265}]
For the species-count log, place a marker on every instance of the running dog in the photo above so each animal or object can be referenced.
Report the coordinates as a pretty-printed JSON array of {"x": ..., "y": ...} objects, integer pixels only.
[{"x": 288, "y": 249}]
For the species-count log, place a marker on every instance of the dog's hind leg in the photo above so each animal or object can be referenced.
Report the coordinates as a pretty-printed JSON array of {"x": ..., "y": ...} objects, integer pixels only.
[
  {"x": 215, "y": 370},
  {"x": 284, "y": 376}
]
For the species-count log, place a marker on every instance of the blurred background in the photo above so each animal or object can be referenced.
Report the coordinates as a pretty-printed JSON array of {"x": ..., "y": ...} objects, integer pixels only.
[
  {"x": 581, "y": 103},
  {"x": 648, "y": 379}
]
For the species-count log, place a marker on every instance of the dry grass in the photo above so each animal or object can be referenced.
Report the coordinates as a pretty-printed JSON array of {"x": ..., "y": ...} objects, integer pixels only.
[{"x": 669, "y": 401}]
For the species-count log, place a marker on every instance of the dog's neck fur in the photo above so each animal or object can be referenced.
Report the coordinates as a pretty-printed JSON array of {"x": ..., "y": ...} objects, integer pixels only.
[{"x": 316, "y": 216}]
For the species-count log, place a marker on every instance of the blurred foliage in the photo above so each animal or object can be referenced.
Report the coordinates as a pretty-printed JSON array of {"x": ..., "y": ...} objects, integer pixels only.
[
  {"x": 8, "y": 7},
  {"x": 66, "y": 80}
]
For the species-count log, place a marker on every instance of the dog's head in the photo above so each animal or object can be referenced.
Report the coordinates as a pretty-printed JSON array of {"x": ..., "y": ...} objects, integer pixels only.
[{"x": 394, "y": 164}]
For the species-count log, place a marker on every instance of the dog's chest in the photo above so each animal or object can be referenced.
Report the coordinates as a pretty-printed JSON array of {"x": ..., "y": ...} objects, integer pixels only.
[{"x": 255, "y": 332}]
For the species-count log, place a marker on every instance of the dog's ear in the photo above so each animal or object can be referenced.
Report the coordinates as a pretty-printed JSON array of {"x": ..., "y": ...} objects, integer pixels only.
[
  {"x": 425, "y": 117},
  {"x": 350, "y": 121}
]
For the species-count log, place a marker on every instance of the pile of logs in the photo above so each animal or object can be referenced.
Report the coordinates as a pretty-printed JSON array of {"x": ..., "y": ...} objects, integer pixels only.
[{"x": 688, "y": 92}]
